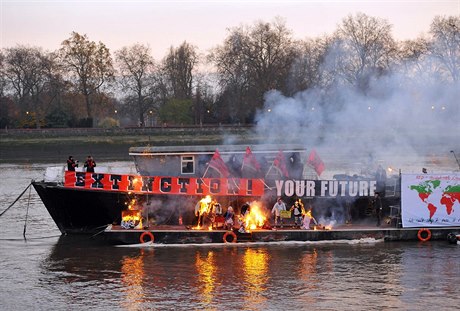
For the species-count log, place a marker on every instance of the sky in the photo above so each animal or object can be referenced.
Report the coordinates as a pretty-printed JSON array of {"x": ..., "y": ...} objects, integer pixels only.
[{"x": 162, "y": 24}]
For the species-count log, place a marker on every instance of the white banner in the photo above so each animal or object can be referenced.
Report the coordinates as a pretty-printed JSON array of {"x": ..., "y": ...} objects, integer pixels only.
[{"x": 430, "y": 200}]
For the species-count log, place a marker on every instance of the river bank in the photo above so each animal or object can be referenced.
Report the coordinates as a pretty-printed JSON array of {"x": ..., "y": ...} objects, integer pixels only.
[{"x": 55, "y": 145}]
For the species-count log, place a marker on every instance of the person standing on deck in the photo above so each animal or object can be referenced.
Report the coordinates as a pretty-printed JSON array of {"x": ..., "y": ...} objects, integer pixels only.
[
  {"x": 90, "y": 164},
  {"x": 378, "y": 207},
  {"x": 276, "y": 211},
  {"x": 71, "y": 164}
]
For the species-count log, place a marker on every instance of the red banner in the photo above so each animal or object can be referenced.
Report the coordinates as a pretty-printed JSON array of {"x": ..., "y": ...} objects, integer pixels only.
[
  {"x": 250, "y": 161},
  {"x": 164, "y": 184},
  {"x": 219, "y": 165},
  {"x": 315, "y": 161}
]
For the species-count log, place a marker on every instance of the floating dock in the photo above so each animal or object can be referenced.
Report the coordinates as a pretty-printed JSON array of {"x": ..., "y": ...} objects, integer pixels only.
[{"x": 184, "y": 235}]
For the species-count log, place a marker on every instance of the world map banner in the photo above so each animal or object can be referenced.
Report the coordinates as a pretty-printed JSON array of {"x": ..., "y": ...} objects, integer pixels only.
[{"x": 430, "y": 200}]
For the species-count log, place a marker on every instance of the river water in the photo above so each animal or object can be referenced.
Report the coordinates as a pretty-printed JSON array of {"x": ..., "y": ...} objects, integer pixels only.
[{"x": 48, "y": 272}]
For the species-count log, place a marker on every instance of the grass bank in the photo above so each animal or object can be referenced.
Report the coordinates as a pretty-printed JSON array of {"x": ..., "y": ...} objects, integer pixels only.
[{"x": 55, "y": 145}]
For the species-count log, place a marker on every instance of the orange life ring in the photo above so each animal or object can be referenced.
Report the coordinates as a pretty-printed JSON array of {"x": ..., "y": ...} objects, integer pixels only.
[
  {"x": 233, "y": 237},
  {"x": 421, "y": 232},
  {"x": 146, "y": 233}
]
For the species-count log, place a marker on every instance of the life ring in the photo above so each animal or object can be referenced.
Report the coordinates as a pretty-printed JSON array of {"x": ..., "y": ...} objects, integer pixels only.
[
  {"x": 144, "y": 234},
  {"x": 232, "y": 234},
  {"x": 422, "y": 232}
]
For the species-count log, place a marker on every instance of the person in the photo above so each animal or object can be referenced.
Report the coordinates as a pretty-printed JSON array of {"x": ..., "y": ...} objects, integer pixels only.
[
  {"x": 71, "y": 164},
  {"x": 244, "y": 209},
  {"x": 297, "y": 209},
  {"x": 216, "y": 214},
  {"x": 381, "y": 178},
  {"x": 378, "y": 207},
  {"x": 276, "y": 211},
  {"x": 229, "y": 214},
  {"x": 307, "y": 218},
  {"x": 90, "y": 164}
]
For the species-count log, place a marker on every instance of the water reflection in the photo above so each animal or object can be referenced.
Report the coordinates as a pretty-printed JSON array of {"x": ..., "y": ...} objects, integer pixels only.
[
  {"x": 255, "y": 276},
  {"x": 206, "y": 269},
  {"x": 132, "y": 278},
  {"x": 328, "y": 277}
]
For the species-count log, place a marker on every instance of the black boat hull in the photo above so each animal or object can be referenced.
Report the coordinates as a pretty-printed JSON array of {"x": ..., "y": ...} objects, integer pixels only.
[{"x": 81, "y": 211}]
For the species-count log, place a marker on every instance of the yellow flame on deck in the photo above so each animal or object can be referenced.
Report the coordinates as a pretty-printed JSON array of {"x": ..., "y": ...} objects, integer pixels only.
[{"x": 255, "y": 218}]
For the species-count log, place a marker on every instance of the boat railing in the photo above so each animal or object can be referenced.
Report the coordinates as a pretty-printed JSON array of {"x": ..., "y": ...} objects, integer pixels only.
[{"x": 57, "y": 173}]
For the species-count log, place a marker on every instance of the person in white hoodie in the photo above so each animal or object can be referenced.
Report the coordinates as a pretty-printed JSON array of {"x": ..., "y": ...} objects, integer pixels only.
[{"x": 276, "y": 211}]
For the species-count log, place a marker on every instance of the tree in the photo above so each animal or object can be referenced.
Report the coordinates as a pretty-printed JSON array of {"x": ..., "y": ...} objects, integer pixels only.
[
  {"x": 178, "y": 67},
  {"x": 26, "y": 70},
  {"x": 136, "y": 67},
  {"x": 364, "y": 48},
  {"x": 306, "y": 72},
  {"x": 89, "y": 65},
  {"x": 252, "y": 61},
  {"x": 446, "y": 44}
]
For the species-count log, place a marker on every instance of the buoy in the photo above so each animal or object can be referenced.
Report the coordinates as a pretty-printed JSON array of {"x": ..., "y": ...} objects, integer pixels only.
[
  {"x": 232, "y": 234},
  {"x": 144, "y": 234},
  {"x": 424, "y": 234}
]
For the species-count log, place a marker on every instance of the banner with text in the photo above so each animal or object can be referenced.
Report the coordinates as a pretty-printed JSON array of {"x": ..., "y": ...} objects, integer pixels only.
[
  {"x": 164, "y": 184},
  {"x": 430, "y": 200}
]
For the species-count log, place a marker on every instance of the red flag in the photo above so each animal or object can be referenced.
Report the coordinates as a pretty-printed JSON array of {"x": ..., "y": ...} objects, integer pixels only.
[
  {"x": 250, "y": 161},
  {"x": 219, "y": 165},
  {"x": 315, "y": 161},
  {"x": 280, "y": 164}
]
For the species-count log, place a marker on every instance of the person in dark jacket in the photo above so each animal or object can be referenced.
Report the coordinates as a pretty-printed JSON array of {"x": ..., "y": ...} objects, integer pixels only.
[
  {"x": 90, "y": 164},
  {"x": 71, "y": 164}
]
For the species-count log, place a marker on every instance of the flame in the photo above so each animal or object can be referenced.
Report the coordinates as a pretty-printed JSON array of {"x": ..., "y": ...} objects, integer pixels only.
[
  {"x": 205, "y": 207},
  {"x": 131, "y": 204},
  {"x": 132, "y": 219},
  {"x": 205, "y": 204},
  {"x": 255, "y": 218}
]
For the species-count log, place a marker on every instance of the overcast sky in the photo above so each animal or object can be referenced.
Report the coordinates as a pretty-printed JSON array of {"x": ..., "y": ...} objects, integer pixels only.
[{"x": 205, "y": 24}]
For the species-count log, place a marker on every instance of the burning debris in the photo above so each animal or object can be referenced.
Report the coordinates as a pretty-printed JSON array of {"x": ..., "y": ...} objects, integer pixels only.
[{"x": 131, "y": 219}]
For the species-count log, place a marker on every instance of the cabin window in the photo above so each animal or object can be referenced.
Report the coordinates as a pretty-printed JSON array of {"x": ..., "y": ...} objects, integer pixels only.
[{"x": 187, "y": 165}]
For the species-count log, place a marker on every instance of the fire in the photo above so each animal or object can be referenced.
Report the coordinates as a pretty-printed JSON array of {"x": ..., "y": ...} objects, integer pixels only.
[
  {"x": 255, "y": 218},
  {"x": 131, "y": 219},
  {"x": 204, "y": 209},
  {"x": 205, "y": 204},
  {"x": 131, "y": 204}
]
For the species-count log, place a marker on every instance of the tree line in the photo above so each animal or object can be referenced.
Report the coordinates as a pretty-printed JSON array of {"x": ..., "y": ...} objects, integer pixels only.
[{"x": 83, "y": 84}]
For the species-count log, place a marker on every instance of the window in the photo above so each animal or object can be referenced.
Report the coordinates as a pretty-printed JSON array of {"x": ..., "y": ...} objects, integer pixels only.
[{"x": 187, "y": 165}]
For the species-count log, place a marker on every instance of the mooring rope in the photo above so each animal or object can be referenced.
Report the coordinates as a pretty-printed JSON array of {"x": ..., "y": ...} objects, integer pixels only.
[
  {"x": 27, "y": 214},
  {"x": 97, "y": 233},
  {"x": 16, "y": 200}
]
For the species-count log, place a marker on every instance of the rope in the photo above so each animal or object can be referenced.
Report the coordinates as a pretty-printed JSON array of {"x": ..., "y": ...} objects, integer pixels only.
[
  {"x": 27, "y": 214},
  {"x": 97, "y": 233},
  {"x": 15, "y": 200}
]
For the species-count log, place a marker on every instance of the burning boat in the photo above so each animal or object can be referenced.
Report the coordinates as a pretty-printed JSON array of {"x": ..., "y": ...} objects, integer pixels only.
[{"x": 169, "y": 185}]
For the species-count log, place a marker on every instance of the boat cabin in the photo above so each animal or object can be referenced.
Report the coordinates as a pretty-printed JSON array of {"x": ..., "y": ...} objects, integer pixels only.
[{"x": 238, "y": 161}]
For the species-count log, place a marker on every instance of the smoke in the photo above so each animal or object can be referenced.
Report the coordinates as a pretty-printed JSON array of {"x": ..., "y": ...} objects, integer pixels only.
[{"x": 401, "y": 122}]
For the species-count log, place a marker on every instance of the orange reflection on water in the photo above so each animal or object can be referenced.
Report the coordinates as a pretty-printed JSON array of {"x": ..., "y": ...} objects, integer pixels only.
[
  {"x": 255, "y": 276},
  {"x": 206, "y": 269},
  {"x": 132, "y": 269}
]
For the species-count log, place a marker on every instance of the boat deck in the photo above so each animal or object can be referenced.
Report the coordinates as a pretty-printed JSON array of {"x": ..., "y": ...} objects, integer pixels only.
[{"x": 188, "y": 235}]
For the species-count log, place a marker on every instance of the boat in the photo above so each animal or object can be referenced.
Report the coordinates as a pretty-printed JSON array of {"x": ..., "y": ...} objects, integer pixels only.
[{"x": 161, "y": 195}]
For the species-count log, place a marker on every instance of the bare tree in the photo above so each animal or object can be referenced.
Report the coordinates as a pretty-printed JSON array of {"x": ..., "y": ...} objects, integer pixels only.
[
  {"x": 446, "y": 44},
  {"x": 254, "y": 60},
  {"x": 26, "y": 70},
  {"x": 364, "y": 48},
  {"x": 306, "y": 71},
  {"x": 178, "y": 67},
  {"x": 89, "y": 65},
  {"x": 136, "y": 66}
]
